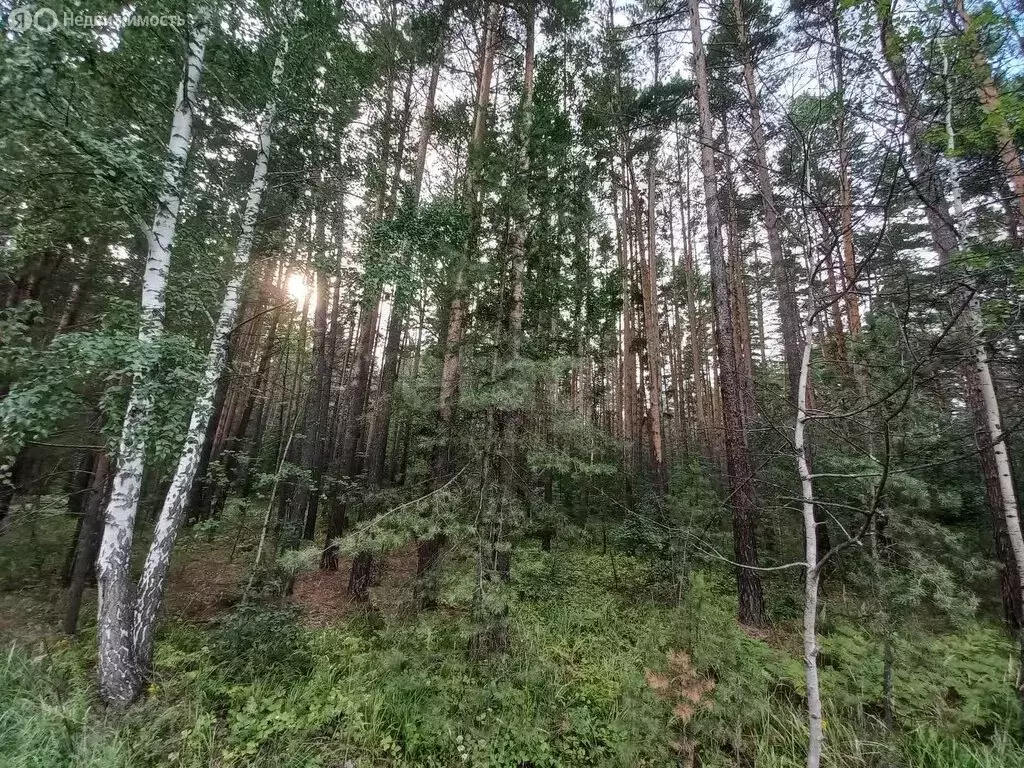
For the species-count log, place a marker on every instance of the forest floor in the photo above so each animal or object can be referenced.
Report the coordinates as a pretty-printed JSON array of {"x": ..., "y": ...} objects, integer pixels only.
[{"x": 602, "y": 670}]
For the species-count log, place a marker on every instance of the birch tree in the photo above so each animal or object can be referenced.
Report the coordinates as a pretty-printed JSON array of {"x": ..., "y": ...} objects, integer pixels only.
[
  {"x": 154, "y": 575},
  {"x": 120, "y": 681},
  {"x": 812, "y": 567},
  {"x": 966, "y": 305}
]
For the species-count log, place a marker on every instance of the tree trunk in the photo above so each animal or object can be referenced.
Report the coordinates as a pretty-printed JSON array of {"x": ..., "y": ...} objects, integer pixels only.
[
  {"x": 234, "y": 443},
  {"x": 945, "y": 240},
  {"x": 990, "y": 99},
  {"x": 845, "y": 184},
  {"x": 696, "y": 332},
  {"x": 88, "y": 540},
  {"x": 627, "y": 379},
  {"x": 306, "y": 497},
  {"x": 789, "y": 312},
  {"x": 451, "y": 367},
  {"x": 740, "y": 475},
  {"x": 119, "y": 674},
  {"x": 811, "y": 557},
  {"x": 378, "y": 439},
  {"x": 154, "y": 574}
]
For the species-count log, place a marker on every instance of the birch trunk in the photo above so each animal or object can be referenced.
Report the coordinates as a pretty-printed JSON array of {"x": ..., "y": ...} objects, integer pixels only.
[
  {"x": 119, "y": 676},
  {"x": 811, "y": 555},
  {"x": 154, "y": 574},
  {"x": 945, "y": 240}
]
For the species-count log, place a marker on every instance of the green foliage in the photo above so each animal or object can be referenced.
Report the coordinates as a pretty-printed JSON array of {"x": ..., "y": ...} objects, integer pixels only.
[
  {"x": 256, "y": 639},
  {"x": 593, "y": 677},
  {"x": 50, "y": 717}
]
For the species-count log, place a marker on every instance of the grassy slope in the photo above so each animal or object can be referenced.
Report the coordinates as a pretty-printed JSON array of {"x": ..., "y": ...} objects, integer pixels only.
[{"x": 599, "y": 673}]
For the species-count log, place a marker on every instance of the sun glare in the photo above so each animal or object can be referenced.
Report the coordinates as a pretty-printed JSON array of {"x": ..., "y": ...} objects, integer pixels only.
[{"x": 297, "y": 287}]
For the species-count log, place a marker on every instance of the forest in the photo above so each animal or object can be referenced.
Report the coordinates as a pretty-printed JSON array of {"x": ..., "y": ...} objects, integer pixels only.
[{"x": 511, "y": 383}]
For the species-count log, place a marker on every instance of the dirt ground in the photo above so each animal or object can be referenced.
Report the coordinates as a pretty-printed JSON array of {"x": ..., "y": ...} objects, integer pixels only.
[{"x": 207, "y": 578}]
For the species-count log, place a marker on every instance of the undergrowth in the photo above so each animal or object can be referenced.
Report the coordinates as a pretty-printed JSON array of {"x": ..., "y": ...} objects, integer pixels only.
[{"x": 596, "y": 675}]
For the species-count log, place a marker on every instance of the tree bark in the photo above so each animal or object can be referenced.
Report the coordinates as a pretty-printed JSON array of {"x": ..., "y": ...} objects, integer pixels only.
[
  {"x": 306, "y": 497},
  {"x": 967, "y": 305},
  {"x": 153, "y": 581},
  {"x": 696, "y": 330},
  {"x": 740, "y": 474},
  {"x": 88, "y": 540},
  {"x": 119, "y": 674},
  {"x": 845, "y": 184},
  {"x": 990, "y": 100},
  {"x": 811, "y": 557},
  {"x": 451, "y": 367},
  {"x": 378, "y": 439},
  {"x": 789, "y": 312}
]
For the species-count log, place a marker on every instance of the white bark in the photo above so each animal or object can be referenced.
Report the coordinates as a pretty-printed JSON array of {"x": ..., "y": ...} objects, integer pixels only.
[
  {"x": 154, "y": 574},
  {"x": 119, "y": 680},
  {"x": 983, "y": 369},
  {"x": 995, "y": 428},
  {"x": 812, "y": 564},
  {"x": 954, "y": 167},
  {"x": 812, "y": 576}
]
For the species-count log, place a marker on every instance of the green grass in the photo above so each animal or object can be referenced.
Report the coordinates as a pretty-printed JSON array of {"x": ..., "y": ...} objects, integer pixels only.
[{"x": 259, "y": 689}]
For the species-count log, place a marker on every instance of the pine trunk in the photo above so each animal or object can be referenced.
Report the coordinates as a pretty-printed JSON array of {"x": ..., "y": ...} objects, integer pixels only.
[
  {"x": 789, "y": 312},
  {"x": 740, "y": 475}
]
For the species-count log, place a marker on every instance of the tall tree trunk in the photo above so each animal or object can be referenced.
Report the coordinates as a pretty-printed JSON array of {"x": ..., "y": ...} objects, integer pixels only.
[
  {"x": 740, "y": 474},
  {"x": 946, "y": 243},
  {"x": 451, "y": 366},
  {"x": 649, "y": 281},
  {"x": 811, "y": 555},
  {"x": 120, "y": 676},
  {"x": 738, "y": 291},
  {"x": 154, "y": 573},
  {"x": 360, "y": 574},
  {"x": 789, "y": 312},
  {"x": 510, "y": 423},
  {"x": 255, "y": 395},
  {"x": 355, "y": 417},
  {"x": 306, "y": 495},
  {"x": 88, "y": 540},
  {"x": 845, "y": 181},
  {"x": 990, "y": 100},
  {"x": 692, "y": 320},
  {"x": 199, "y": 504},
  {"x": 377, "y": 442},
  {"x": 627, "y": 379},
  {"x": 306, "y": 500}
]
